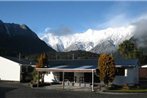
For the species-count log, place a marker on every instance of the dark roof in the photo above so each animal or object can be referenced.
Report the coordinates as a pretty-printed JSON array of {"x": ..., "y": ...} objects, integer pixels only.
[
  {"x": 126, "y": 62},
  {"x": 21, "y": 61},
  {"x": 86, "y": 65},
  {"x": 74, "y": 62},
  {"x": 122, "y": 62}
]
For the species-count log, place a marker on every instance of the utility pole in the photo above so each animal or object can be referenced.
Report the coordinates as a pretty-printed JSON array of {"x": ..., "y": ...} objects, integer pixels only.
[
  {"x": 56, "y": 56},
  {"x": 73, "y": 56},
  {"x": 19, "y": 56}
]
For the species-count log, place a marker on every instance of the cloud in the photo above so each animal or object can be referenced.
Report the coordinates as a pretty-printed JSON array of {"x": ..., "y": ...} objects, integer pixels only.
[
  {"x": 48, "y": 29},
  {"x": 63, "y": 30},
  {"x": 139, "y": 23},
  {"x": 140, "y": 32},
  {"x": 117, "y": 21},
  {"x": 118, "y": 29},
  {"x": 140, "y": 29}
]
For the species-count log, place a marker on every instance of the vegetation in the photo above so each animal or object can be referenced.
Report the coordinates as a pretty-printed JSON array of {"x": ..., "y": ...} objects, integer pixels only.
[
  {"x": 66, "y": 55},
  {"x": 129, "y": 91},
  {"x": 106, "y": 68},
  {"x": 37, "y": 76},
  {"x": 128, "y": 49},
  {"x": 42, "y": 61}
]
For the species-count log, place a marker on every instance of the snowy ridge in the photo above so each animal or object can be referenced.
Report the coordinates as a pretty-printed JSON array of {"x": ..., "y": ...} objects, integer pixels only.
[{"x": 88, "y": 40}]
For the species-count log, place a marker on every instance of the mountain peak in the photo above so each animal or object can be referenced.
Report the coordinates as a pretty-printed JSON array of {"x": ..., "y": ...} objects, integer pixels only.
[
  {"x": 1, "y": 22},
  {"x": 90, "y": 39},
  {"x": 15, "y": 38},
  {"x": 23, "y": 26}
]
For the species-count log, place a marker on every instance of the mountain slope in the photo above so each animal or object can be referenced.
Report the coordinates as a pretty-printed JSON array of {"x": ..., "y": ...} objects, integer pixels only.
[
  {"x": 15, "y": 38},
  {"x": 106, "y": 46},
  {"x": 85, "y": 46},
  {"x": 93, "y": 40}
]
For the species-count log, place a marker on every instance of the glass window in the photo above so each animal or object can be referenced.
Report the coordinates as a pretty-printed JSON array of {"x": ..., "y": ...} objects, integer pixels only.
[{"x": 120, "y": 71}]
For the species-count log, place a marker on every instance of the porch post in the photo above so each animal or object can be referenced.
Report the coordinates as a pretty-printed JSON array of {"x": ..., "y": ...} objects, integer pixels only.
[
  {"x": 38, "y": 79},
  {"x": 92, "y": 80},
  {"x": 63, "y": 79}
]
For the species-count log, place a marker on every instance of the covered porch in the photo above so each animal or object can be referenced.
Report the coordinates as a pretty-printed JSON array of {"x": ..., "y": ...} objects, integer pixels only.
[{"x": 76, "y": 75}]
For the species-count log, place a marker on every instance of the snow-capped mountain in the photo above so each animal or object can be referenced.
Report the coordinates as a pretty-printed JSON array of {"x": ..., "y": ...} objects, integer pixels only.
[
  {"x": 105, "y": 46},
  {"x": 80, "y": 46},
  {"x": 91, "y": 40}
]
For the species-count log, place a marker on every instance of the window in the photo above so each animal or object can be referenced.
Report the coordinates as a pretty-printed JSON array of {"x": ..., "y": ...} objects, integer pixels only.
[
  {"x": 30, "y": 69},
  {"x": 126, "y": 72},
  {"x": 120, "y": 72}
]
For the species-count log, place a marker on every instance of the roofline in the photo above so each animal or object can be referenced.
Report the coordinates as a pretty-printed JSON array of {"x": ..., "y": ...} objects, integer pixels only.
[
  {"x": 64, "y": 70},
  {"x": 122, "y": 66}
]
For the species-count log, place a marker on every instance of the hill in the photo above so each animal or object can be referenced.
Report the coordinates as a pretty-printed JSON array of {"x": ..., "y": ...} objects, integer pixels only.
[
  {"x": 76, "y": 55},
  {"x": 16, "y": 38}
]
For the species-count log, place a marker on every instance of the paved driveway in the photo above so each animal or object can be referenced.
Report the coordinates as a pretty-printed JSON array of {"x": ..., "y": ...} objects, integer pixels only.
[{"x": 17, "y": 90}]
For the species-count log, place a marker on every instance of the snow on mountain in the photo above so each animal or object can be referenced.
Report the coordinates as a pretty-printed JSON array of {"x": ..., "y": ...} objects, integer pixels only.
[
  {"x": 80, "y": 46},
  {"x": 89, "y": 40},
  {"x": 105, "y": 46}
]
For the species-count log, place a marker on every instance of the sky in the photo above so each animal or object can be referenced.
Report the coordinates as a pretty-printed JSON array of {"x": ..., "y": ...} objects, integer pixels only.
[{"x": 64, "y": 17}]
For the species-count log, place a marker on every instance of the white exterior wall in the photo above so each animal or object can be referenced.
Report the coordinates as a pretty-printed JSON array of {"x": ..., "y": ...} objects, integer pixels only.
[
  {"x": 9, "y": 70},
  {"x": 50, "y": 77},
  {"x": 130, "y": 78}
]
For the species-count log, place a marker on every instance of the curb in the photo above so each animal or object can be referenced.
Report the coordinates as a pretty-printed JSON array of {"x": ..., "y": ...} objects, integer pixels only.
[{"x": 119, "y": 93}]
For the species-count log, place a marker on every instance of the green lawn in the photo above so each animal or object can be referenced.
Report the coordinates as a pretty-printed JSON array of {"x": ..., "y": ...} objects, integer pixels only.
[{"x": 129, "y": 91}]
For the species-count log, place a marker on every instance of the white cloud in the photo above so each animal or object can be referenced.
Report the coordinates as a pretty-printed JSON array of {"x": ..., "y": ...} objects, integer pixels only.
[
  {"x": 121, "y": 20},
  {"x": 141, "y": 17},
  {"x": 48, "y": 29},
  {"x": 118, "y": 21}
]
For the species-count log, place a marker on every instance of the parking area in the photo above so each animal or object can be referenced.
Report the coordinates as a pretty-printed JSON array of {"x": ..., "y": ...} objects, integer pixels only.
[{"x": 21, "y": 90}]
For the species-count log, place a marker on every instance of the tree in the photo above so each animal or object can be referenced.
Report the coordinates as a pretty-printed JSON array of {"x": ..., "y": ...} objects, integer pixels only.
[
  {"x": 42, "y": 61},
  {"x": 106, "y": 68},
  {"x": 35, "y": 76},
  {"x": 129, "y": 50}
]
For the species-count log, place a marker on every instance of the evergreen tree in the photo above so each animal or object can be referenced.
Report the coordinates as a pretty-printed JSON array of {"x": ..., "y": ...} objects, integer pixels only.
[{"x": 129, "y": 50}]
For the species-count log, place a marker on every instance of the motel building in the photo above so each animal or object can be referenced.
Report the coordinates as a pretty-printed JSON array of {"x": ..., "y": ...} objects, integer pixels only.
[{"x": 82, "y": 73}]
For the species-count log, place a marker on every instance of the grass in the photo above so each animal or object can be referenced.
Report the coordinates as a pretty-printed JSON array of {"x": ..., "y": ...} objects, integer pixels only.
[{"x": 128, "y": 91}]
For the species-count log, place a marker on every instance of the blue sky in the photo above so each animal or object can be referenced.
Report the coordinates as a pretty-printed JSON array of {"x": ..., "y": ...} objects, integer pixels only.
[{"x": 70, "y": 17}]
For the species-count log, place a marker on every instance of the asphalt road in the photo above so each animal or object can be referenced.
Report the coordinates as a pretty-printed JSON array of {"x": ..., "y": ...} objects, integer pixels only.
[{"x": 17, "y": 90}]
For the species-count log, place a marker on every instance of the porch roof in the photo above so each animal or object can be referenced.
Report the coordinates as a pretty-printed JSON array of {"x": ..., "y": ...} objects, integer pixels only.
[
  {"x": 69, "y": 68},
  {"x": 76, "y": 68}
]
